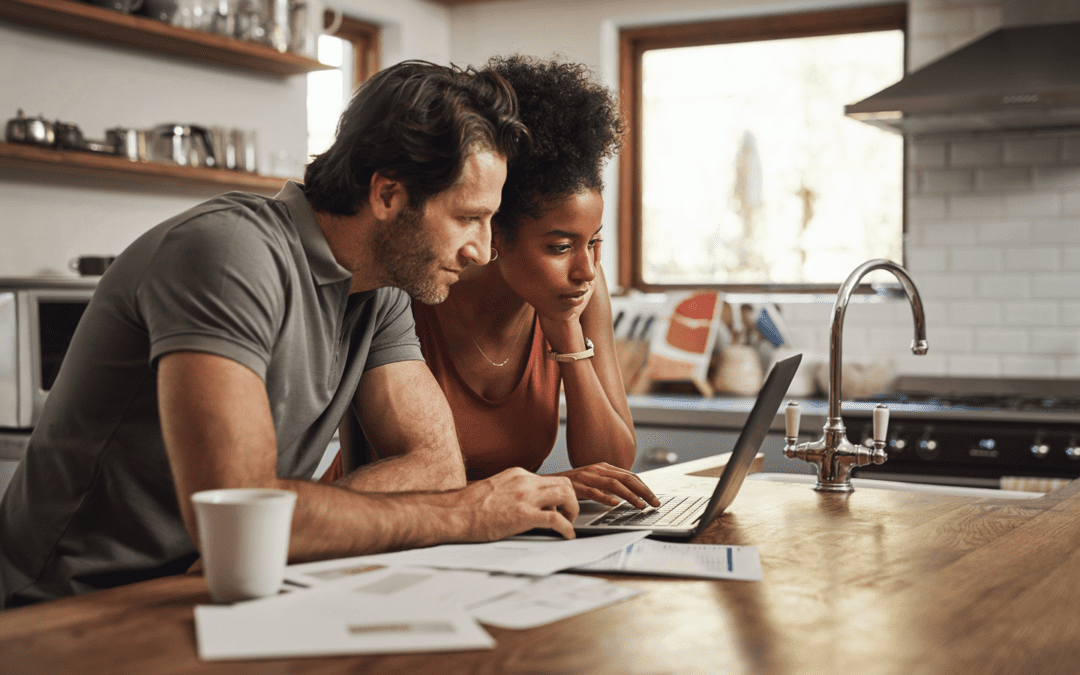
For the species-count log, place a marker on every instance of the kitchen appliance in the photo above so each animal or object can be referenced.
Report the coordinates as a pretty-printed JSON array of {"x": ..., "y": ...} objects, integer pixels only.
[
  {"x": 38, "y": 317},
  {"x": 1010, "y": 433},
  {"x": 1021, "y": 76}
]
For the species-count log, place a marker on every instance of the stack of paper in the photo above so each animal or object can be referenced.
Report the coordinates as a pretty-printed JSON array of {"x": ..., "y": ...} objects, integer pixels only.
[{"x": 432, "y": 599}]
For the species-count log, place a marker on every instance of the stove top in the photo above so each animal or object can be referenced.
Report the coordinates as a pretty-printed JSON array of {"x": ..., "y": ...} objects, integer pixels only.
[{"x": 981, "y": 398}]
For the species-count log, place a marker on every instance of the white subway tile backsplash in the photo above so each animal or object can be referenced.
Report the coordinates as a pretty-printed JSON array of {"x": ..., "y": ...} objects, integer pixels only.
[
  {"x": 975, "y": 313},
  {"x": 926, "y": 207},
  {"x": 948, "y": 234},
  {"x": 1057, "y": 177},
  {"x": 1068, "y": 367},
  {"x": 951, "y": 340},
  {"x": 976, "y": 259},
  {"x": 935, "y": 181},
  {"x": 980, "y": 154},
  {"x": 1003, "y": 286},
  {"x": 1070, "y": 204},
  {"x": 926, "y": 155},
  {"x": 1060, "y": 342},
  {"x": 1070, "y": 313},
  {"x": 947, "y": 286},
  {"x": 1033, "y": 204},
  {"x": 925, "y": 259},
  {"x": 1032, "y": 151},
  {"x": 976, "y": 206},
  {"x": 1070, "y": 259},
  {"x": 1055, "y": 231},
  {"x": 1033, "y": 259},
  {"x": 931, "y": 363},
  {"x": 1001, "y": 341},
  {"x": 1010, "y": 178},
  {"x": 1004, "y": 232},
  {"x": 1063, "y": 286},
  {"x": 1029, "y": 366},
  {"x": 1041, "y": 313},
  {"x": 974, "y": 366}
]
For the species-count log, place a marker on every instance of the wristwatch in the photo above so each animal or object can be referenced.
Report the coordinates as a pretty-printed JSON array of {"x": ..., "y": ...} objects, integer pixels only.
[{"x": 576, "y": 356}]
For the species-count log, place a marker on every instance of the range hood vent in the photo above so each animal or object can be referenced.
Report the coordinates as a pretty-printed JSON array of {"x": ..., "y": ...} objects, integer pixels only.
[{"x": 1019, "y": 77}]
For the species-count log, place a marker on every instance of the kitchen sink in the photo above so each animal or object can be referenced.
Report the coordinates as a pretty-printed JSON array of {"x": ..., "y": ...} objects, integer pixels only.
[{"x": 870, "y": 483}]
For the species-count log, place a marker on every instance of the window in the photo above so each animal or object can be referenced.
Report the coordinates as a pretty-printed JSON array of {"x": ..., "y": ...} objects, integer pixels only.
[
  {"x": 742, "y": 171},
  {"x": 353, "y": 50}
]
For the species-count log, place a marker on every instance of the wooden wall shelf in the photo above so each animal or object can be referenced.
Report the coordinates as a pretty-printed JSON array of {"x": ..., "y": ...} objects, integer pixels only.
[
  {"x": 116, "y": 171},
  {"x": 112, "y": 27}
]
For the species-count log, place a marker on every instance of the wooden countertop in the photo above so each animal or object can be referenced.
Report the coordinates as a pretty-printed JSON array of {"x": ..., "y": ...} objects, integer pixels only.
[{"x": 871, "y": 582}]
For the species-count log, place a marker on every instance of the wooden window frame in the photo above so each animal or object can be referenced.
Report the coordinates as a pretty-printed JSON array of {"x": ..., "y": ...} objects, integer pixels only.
[
  {"x": 366, "y": 41},
  {"x": 634, "y": 42}
]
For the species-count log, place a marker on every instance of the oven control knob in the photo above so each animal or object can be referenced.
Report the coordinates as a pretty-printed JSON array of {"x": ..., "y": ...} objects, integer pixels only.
[
  {"x": 1040, "y": 449},
  {"x": 896, "y": 443},
  {"x": 927, "y": 448},
  {"x": 1073, "y": 451}
]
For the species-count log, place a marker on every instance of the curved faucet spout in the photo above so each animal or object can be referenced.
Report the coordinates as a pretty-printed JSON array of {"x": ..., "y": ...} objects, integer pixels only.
[{"x": 918, "y": 345}]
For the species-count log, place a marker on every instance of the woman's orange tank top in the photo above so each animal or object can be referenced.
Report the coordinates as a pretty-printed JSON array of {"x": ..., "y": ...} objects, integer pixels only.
[{"x": 518, "y": 430}]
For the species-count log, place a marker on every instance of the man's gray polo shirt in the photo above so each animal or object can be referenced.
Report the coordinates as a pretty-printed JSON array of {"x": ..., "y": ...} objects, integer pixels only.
[{"x": 243, "y": 276}]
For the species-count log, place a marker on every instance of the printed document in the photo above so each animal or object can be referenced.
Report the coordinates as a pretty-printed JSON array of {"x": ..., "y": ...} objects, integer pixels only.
[
  {"x": 705, "y": 561},
  {"x": 535, "y": 557},
  {"x": 378, "y": 616}
]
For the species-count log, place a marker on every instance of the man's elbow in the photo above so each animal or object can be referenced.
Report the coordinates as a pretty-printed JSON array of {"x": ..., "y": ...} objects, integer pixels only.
[{"x": 452, "y": 474}]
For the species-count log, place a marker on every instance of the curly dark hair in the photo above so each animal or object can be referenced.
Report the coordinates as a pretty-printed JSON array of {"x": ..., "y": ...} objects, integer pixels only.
[
  {"x": 576, "y": 125},
  {"x": 414, "y": 122}
]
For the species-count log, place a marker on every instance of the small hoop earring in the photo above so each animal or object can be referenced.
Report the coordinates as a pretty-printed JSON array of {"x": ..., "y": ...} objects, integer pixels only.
[{"x": 494, "y": 254}]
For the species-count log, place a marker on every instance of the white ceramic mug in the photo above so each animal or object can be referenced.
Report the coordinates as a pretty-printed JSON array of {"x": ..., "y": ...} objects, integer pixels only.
[
  {"x": 244, "y": 539},
  {"x": 308, "y": 23}
]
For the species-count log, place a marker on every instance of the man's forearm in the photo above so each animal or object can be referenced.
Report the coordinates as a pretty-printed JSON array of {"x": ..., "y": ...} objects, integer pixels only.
[{"x": 331, "y": 522}]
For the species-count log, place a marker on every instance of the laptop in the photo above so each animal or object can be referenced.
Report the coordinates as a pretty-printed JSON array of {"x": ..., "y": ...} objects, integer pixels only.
[{"x": 685, "y": 516}]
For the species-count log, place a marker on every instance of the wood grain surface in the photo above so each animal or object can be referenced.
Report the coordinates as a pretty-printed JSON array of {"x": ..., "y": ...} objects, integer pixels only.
[{"x": 870, "y": 582}]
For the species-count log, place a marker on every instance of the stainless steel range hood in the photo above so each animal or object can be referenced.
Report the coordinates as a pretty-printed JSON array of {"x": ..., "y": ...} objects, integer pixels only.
[{"x": 1017, "y": 77}]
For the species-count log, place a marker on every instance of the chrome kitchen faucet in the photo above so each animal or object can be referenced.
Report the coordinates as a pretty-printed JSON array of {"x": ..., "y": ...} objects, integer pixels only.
[{"x": 833, "y": 453}]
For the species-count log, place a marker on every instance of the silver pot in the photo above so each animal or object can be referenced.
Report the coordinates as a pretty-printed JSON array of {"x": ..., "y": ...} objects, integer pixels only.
[
  {"x": 130, "y": 143},
  {"x": 35, "y": 130},
  {"x": 186, "y": 145}
]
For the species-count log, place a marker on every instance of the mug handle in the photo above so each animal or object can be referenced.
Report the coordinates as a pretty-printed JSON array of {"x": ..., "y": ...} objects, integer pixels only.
[{"x": 335, "y": 23}]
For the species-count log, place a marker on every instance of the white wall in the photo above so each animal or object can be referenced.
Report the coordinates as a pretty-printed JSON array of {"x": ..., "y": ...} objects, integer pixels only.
[{"x": 44, "y": 223}]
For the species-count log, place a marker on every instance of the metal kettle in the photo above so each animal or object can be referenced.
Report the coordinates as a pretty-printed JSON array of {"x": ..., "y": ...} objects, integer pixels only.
[{"x": 183, "y": 144}]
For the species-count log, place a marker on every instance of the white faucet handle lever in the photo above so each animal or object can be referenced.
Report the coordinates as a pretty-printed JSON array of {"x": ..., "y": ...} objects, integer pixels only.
[
  {"x": 792, "y": 417},
  {"x": 881, "y": 423}
]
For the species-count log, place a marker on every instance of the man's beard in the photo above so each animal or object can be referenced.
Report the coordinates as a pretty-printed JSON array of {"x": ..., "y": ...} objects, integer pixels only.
[{"x": 403, "y": 249}]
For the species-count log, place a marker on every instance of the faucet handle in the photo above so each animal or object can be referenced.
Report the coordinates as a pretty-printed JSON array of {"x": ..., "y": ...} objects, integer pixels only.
[
  {"x": 881, "y": 424},
  {"x": 792, "y": 417}
]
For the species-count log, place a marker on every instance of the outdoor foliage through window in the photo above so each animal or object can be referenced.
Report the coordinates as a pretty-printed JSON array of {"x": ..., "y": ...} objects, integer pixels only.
[{"x": 751, "y": 173}]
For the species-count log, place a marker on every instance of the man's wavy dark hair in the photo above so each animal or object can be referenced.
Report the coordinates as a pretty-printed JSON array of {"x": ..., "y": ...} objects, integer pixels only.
[
  {"x": 415, "y": 122},
  {"x": 576, "y": 125}
]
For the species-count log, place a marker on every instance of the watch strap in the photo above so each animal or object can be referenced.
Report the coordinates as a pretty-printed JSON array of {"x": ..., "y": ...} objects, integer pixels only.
[{"x": 574, "y": 356}]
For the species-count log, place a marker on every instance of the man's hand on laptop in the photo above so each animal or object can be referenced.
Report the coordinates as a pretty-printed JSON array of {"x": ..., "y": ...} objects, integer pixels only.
[
  {"x": 610, "y": 485},
  {"x": 515, "y": 501}
]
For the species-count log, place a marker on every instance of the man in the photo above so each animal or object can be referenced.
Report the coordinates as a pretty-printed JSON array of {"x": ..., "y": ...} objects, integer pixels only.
[{"x": 222, "y": 348}]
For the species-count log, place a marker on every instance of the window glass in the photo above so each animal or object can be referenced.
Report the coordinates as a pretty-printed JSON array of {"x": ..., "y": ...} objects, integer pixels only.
[
  {"x": 328, "y": 92},
  {"x": 750, "y": 171}
]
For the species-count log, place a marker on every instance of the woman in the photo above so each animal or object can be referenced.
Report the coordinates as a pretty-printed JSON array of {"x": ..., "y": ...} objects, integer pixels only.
[{"x": 539, "y": 314}]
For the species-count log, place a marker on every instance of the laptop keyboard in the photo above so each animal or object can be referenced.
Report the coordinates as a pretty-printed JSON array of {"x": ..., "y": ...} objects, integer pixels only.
[{"x": 673, "y": 510}]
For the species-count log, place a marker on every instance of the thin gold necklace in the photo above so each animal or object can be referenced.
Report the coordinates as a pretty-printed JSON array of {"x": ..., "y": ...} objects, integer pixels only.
[{"x": 513, "y": 348}]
